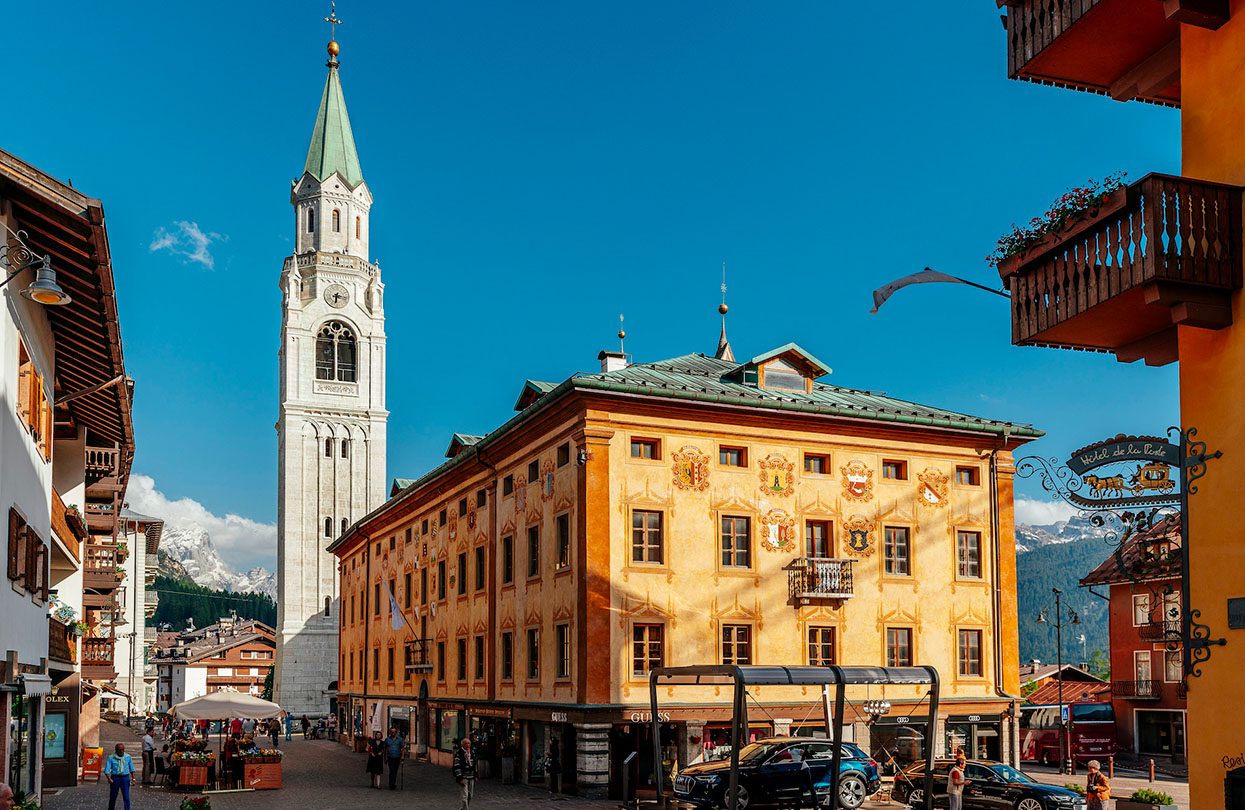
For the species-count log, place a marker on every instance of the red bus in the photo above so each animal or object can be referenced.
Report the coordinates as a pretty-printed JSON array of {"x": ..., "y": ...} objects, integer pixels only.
[{"x": 1091, "y": 732}]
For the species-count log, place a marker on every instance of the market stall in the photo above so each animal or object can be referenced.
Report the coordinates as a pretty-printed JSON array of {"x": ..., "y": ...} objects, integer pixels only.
[{"x": 250, "y": 766}]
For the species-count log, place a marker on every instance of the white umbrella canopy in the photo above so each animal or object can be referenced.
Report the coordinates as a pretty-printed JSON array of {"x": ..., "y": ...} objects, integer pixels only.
[{"x": 224, "y": 705}]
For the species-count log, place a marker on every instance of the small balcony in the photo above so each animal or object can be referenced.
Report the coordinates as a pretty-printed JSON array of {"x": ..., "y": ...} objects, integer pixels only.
[
  {"x": 97, "y": 659},
  {"x": 811, "y": 579},
  {"x": 99, "y": 567},
  {"x": 1166, "y": 630},
  {"x": 62, "y": 645},
  {"x": 101, "y": 516},
  {"x": 417, "y": 655},
  {"x": 1161, "y": 252},
  {"x": 1137, "y": 690},
  {"x": 1119, "y": 48},
  {"x": 151, "y": 600}
]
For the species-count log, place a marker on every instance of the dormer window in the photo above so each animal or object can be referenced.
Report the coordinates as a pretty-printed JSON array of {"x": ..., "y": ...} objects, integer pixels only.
[
  {"x": 787, "y": 368},
  {"x": 781, "y": 376}
]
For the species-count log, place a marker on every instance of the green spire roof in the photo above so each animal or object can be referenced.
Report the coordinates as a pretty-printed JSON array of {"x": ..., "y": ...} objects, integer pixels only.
[{"x": 332, "y": 143}]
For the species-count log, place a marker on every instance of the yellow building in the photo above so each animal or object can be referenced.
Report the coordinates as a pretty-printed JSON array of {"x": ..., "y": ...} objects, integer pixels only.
[{"x": 689, "y": 511}]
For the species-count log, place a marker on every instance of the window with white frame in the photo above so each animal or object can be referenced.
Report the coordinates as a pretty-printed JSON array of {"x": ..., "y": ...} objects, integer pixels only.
[{"x": 1141, "y": 609}]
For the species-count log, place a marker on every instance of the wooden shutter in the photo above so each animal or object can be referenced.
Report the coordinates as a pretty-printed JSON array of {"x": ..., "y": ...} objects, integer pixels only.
[
  {"x": 33, "y": 560},
  {"x": 15, "y": 544},
  {"x": 44, "y": 569}
]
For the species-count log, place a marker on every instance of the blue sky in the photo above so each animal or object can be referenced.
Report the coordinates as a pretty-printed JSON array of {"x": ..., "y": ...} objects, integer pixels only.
[{"x": 540, "y": 168}]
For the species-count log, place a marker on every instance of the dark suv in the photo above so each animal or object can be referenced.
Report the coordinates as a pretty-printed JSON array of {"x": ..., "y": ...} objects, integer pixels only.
[
  {"x": 991, "y": 786},
  {"x": 772, "y": 772}
]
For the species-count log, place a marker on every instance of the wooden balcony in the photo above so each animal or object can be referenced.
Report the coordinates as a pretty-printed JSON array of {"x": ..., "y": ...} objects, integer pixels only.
[
  {"x": 101, "y": 516},
  {"x": 1137, "y": 690},
  {"x": 812, "y": 579},
  {"x": 97, "y": 659},
  {"x": 102, "y": 462},
  {"x": 1120, "y": 48},
  {"x": 99, "y": 567},
  {"x": 417, "y": 655},
  {"x": 1164, "y": 251},
  {"x": 62, "y": 646},
  {"x": 68, "y": 526}
]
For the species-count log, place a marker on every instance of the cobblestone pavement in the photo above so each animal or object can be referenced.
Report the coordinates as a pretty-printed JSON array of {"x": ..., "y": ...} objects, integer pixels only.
[{"x": 320, "y": 774}]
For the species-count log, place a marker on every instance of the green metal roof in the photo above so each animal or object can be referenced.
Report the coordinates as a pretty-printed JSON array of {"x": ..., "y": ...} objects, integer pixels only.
[{"x": 332, "y": 142}]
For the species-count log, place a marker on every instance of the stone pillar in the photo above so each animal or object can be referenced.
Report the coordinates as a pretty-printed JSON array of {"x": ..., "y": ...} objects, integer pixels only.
[
  {"x": 592, "y": 760},
  {"x": 860, "y": 732},
  {"x": 940, "y": 737},
  {"x": 782, "y": 726},
  {"x": 693, "y": 742}
]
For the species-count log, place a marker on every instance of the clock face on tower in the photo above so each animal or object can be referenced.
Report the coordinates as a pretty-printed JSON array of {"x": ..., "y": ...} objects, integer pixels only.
[{"x": 335, "y": 295}]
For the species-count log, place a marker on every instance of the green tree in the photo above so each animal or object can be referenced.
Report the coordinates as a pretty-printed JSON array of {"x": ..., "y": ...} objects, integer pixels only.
[
  {"x": 267, "y": 693},
  {"x": 1100, "y": 664},
  {"x": 181, "y": 601}
]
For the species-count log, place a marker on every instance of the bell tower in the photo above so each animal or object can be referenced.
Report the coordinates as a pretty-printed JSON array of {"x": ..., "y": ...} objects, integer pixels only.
[{"x": 332, "y": 422}]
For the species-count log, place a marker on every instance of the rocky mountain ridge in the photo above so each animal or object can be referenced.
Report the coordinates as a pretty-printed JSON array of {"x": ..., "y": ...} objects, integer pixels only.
[{"x": 187, "y": 552}]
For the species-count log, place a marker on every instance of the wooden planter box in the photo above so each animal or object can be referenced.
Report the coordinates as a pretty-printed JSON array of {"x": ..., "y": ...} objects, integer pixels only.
[
  {"x": 192, "y": 775},
  {"x": 261, "y": 775}
]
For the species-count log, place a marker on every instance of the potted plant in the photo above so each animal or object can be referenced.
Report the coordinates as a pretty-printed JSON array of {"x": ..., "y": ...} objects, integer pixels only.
[
  {"x": 78, "y": 629},
  {"x": 196, "y": 803},
  {"x": 1146, "y": 799},
  {"x": 123, "y": 552}
]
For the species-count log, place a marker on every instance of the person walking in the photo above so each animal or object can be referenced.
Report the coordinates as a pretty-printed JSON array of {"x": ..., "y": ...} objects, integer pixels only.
[
  {"x": 553, "y": 766},
  {"x": 274, "y": 729},
  {"x": 248, "y": 727},
  {"x": 1097, "y": 788},
  {"x": 376, "y": 758},
  {"x": 956, "y": 783},
  {"x": 333, "y": 727},
  {"x": 119, "y": 770},
  {"x": 394, "y": 748},
  {"x": 306, "y": 727},
  {"x": 464, "y": 771},
  {"x": 149, "y": 758}
]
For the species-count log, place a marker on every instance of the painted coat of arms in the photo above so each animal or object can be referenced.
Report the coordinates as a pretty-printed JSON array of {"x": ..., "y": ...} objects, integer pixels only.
[
  {"x": 857, "y": 481},
  {"x": 777, "y": 531},
  {"x": 777, "y": 475},
  {"x": 546, "y": 481},
  {"x": 691, "y": 469},
  {"x": 931, "y": 487},
  {"x": 520, "y": 493},
  {"x": 471, "y": 520},
  {"x": 858, "y": 536}
]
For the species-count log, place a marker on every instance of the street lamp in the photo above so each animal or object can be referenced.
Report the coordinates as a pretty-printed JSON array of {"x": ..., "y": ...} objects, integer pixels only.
[
  {"x": 17, "y": 257},
  {"x": 1065, "y": 754}
]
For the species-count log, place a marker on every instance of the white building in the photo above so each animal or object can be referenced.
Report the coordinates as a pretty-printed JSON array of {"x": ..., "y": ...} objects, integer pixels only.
[
  {"x": 332, "y": 422},
  {"x": 234, "y": 654},
  {"x": 136, "y": 675}
]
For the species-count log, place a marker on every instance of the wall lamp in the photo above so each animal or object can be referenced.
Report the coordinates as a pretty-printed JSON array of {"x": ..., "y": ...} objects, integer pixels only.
[{"x": 17, "y": 257}]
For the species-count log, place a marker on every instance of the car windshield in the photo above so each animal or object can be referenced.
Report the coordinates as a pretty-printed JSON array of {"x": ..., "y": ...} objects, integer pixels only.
[
  {"x": 1009, "y": 774},
  {"x": 756, "y": 751}
]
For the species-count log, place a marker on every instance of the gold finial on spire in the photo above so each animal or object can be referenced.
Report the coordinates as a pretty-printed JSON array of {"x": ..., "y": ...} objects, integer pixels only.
[
  {"x": 622, "y": 335},
  {"x": 723, "y": 308},
  {"x": 724, "y": 351},
  {"x": 333, "y": 20}
]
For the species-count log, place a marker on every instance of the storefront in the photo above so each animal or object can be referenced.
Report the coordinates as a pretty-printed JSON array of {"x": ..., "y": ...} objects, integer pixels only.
[
  {"x": 1160, "y": 732},
  {"x": 717, "y": 738},
  {"x": 897, "y": 741},
  {"x": 60, "y": 731},
  {"x": 980, "y": 735},
  {"x": 495, "y": 740}
]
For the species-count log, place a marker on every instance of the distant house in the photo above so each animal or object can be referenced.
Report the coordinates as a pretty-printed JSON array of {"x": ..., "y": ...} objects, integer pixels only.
[
  {"x": 1146, "y": 658},
  {"x": 232, "y": 654},
  {"x": 1035, "y": 675}
]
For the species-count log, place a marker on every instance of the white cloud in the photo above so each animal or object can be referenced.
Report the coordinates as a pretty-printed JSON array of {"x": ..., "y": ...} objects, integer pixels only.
[
  {"x": 242, "y": 542},
  {"x": 188, "y": 240},
  {"x": 1032, "y": 512}
]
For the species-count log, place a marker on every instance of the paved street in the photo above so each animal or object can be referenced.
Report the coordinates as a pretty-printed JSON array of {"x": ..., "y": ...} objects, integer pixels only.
[{"x": 1122, "y": 786}]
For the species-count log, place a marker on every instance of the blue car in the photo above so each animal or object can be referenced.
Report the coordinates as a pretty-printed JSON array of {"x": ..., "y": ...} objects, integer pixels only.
[{"x": 782, "y": 771}]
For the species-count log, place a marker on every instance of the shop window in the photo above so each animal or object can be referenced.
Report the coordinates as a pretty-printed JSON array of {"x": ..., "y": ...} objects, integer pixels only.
[
  {"x": 507, "y": 656},
  {"x": 646, "y": 448},
  {"x": 817, "y": 539},
  {"x": 899, "y": 646},
  {"x": 479, "y": 658},
  {"x": 647, "y": 545},
  {"x": 533, "y": 653},
  {"x": 895, "y": 470},
  {"x": 507, "y": 559},
  {"x": 737, "y": 644},
  {"x": 480, "y": 568},
  {"x": 968, "y": 554},
  {"x": 562, "y": 526},
  {"x": 733, "y": 456},
  {"x": 820, "y": 646},
  {"x": 817, "y": 463},
  {"x": 969, "y": 653},
  {"x": 462, "y": 660},
  {"x": 897, "y": 551},
  {"x": 736, "y": 542},
  {"x": 968, "y": 476},
  {"x": 647, "y": 648},
  {"x": 562, "y": 633}
]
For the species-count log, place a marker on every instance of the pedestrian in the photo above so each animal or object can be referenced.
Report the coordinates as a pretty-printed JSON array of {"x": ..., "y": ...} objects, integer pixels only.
[
  {"x": 289, "y": 727},
  {"x": 248, "y": 726},
  {"x": 274, "y": 728},
  {"x": 465, "y": 772},
  {"x": 956, "y": 783},
  {"x": 376, "y": 758},
  {"x": 235, "y": 726},
  {"x": 1097, "y": 789},
  {"x": 553, "y": 766},
  {"x": 6, "y": 797},
  {"x": 149, "y": 758},
  {"x": 395, "y": 747},
  {"x": 306, "y": 727},
  {"x": 119, "y": 769},
  {"x": 333, "y": 727}
]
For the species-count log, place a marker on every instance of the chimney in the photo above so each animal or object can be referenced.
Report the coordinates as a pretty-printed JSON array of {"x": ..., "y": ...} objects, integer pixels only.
[{"x": 612, "y": 361}]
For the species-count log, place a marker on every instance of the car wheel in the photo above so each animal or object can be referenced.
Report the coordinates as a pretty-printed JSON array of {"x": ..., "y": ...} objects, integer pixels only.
[
  {"x": 1028, "y": 804},
  {"x": 741, "y": 793},
  {"x": 916, "y": 798},
  {"x": 852, "y": 791}
]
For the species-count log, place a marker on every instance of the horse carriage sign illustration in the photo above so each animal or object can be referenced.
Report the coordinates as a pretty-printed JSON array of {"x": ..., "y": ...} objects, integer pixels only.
[{"x": 1135, "y": 490}]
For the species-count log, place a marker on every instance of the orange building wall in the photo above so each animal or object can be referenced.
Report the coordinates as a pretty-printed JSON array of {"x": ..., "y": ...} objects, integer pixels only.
[{"x": 1212, "y": 386}]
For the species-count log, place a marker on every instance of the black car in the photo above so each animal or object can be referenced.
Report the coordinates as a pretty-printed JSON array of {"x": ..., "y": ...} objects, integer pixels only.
[
  {"x": 780, "y": 770},
  {"x": 991, "y": 786}
]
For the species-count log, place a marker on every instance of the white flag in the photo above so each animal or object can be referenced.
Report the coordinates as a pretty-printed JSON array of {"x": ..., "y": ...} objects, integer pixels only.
[{"x": 396, "y": 620}]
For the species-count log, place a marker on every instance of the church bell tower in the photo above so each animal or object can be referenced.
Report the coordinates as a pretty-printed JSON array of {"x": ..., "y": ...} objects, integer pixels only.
[{"x": 332, "y": 423}]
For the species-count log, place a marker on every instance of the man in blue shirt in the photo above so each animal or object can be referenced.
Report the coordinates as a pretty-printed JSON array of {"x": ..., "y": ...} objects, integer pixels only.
[
  {"x": 118, "y": 769},
  {"x": 395, "y": 746}
]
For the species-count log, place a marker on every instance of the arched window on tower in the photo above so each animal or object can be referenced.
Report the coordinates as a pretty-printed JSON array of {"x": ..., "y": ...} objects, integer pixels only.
[
  {"x": 337, "y": 221},
  {"x": 345, "y": 448},
  {"x": 344, "y": 525},
  {"x": 311, "y": 220},
  {"x": 335, "y": 353},
  {"x": 328, "y": 448},
  {"x": 358, "y": 227},
  {"x": 328, "y": 527}
]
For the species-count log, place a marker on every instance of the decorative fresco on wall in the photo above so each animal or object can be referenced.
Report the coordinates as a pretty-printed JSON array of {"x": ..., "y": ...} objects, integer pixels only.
[
  {"x": 857, "y": 481},
  {"x": 777, "y": 475},
  {"x": 690, "y": 469}
]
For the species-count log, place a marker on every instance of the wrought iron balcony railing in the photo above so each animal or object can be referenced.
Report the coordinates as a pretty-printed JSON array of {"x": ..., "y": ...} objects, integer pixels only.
[
  {"x": 812, "y": 578},
  {"x": 1165, "y": 630},
  {"x": 417, "y": 655},
  {"x": 1164, "y": 251},
  {"x": 1137, "y": 690}
]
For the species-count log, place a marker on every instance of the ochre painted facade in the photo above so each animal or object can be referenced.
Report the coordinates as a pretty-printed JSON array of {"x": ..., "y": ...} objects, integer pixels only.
[{"x": 567, "y": 481}]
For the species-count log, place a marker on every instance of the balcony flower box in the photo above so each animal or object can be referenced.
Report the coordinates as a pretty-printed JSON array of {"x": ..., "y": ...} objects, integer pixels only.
[{"x": 1075, "y": 225}]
